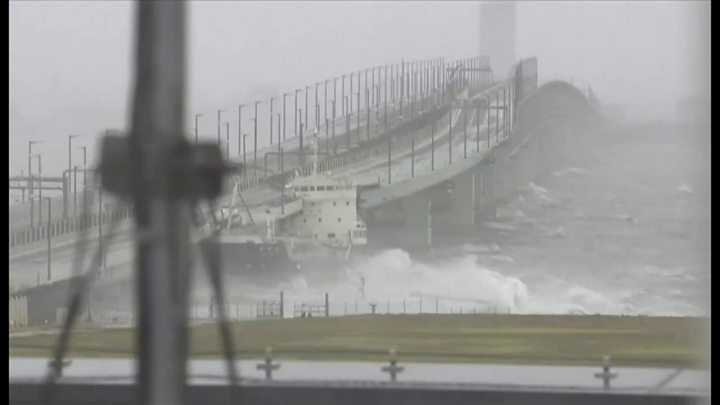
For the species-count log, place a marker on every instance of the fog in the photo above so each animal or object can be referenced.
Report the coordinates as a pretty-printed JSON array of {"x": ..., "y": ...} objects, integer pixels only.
[{"x": 71, "y": 66}]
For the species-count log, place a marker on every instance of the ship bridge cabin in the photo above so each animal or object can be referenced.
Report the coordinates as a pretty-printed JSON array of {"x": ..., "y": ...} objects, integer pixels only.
[{"x": 329, "y": 213}]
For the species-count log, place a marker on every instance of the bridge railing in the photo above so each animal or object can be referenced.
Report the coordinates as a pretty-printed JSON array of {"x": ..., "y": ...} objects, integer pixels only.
[{"x": 360, "y": 152}]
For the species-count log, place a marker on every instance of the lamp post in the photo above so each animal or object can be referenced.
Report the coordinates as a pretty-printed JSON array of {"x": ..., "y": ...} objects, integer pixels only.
[
  {"x": 70, "y": 138},
  {"x": 240, "y": 132},
  {"x": 218, "y": 125},
  {"x": 283, "y": 121},
  {"x": 39, "y": 159},
  {"x": 244, "y": 149},
  {"x": 255, "y": 137},
  {"x": 84, "y": 149},
  {"x": 197, "y": 118},
  {"x": 342, "y": 94},
  {"x": 48, "y": 235},
  {"x": 306, "y": 106},
  {"x": 271, "y": 121},
  {"x": 317, "y": 106},
  {"x": 295, "y": 114},
  {"x": 227, "y": 141},
  {"x": 30, "y": 184},
  {"x": 74, "y": 170}
]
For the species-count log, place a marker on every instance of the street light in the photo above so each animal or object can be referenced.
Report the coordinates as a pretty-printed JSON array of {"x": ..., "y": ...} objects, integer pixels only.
[
  {"x": 70, "y": 138},
  {"x": 74, "y": 170},
  {"x": 39, "y": 159},
  {"x": 227, "y": 141},
  {"x": 218, "y": 122},
  {"x": 30, "y": 184},
  {"x": 48, "y": 236},
  {"x": 240, "y": 130},
  {"x": 197, "y": 116},
  {"x": 84, "y": 166}
]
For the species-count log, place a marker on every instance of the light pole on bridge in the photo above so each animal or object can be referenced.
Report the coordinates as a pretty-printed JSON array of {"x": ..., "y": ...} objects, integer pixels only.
[
  {"x": 241, "y": 140},
  {"x": 197, "y": 117},
  {"x": 31, "y": 184}
]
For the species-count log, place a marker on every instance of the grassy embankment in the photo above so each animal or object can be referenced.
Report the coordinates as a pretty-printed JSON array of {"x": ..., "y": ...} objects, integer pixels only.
[{"x": 527, "y": 339}]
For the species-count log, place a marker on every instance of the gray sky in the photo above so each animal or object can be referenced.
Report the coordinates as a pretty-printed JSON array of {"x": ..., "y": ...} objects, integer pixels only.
[{"x": 70, "y": 66}]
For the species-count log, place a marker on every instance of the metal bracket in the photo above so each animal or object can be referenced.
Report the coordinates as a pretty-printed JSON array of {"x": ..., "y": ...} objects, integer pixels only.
[{"x": 178, "y": 169}]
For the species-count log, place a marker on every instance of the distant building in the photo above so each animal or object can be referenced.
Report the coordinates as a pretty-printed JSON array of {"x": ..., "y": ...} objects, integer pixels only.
[{"x": 497, "y": 35}]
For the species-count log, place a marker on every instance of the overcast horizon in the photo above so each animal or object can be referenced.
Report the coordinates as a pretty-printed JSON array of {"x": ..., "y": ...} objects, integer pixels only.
[{"x": 71, "y": 65}]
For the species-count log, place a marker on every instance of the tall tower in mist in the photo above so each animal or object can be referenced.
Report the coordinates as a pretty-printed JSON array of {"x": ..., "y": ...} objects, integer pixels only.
[{"x": 497, "y": 35}]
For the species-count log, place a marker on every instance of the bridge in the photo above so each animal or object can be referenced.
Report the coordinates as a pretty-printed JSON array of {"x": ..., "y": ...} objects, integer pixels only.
[{"x": 441, "y": 139}]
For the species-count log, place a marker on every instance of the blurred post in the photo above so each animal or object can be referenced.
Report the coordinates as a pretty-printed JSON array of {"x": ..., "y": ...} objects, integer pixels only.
[{"x": 163, "y": 268}]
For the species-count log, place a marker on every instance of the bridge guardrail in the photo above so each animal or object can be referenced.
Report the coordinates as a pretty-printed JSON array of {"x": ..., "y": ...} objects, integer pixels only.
[{"x": 61, "y": 227}]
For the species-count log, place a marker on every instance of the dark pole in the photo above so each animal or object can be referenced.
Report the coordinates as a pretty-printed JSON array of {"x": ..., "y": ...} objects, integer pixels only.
[
  {"x": 84, "y": 149},
  {"x": 450, "y": 136},
  {"x": 279, "y": 144},
  {"x": 39, "y": 158},
  {"x": 283, "y": 120},
  {"x": 70, "y": 138},
  {"x": 244, "y": 150},
  {"x": 477, "y": 135},
  {"x": 240, "y": 140},
  {"x": 100, "y": 230},
  {"x": 432, "y": 144},
  {"x": 31, "y": 184},
  {"x": 302, "y": 151},
  {"x": 464, "y": 112},
  {"x": 402, "y": 84},
  {"x": 351, "y": 93},
  {"x": 271, "y": 121},
  {"x": 358, "y": 113},
  {"x": 326, "y": 102},
  {"x": 75, "y": 192},
  {"x": 295, "y": 115},
  {"x": 488, "y": 122},
  {"x": 306, "y": 106},
  {"x": 317, "y": 106},
  {"x": 367, "y": 106},
  {"x": 373, "y": 86},
  {"x": 412, "y": 154},
  {"x": 49, "y": 238},
  {"x": 497, "y": 104},
  {"x": 342, "y": 95},
  {"x": 163, "y": 268},
  {"x": 218, "y": 122},
  {"x": 197, "y": 116},
  {"x": 255, "y": 139},
  {"x": 227, "y": 140},
  {"x": 386, "y": 103},
  {"x": 347, "y": 123}
]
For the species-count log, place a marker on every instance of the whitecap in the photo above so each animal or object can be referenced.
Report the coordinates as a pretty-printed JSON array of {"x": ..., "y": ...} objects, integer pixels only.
[
  {"x": 569, "y": 170},
  {"x": 685, "y": 188}
]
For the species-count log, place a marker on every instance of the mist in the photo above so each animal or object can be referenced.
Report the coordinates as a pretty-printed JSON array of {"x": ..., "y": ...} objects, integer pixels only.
[{"x": 71, "y": 62}]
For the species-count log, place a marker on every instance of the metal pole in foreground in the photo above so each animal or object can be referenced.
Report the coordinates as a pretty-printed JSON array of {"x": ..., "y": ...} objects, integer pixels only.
[{"x": 162, "y": 257}]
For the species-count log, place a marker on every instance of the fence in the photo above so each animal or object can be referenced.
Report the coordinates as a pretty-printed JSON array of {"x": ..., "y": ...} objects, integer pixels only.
[{"x": 65, "y": 226}]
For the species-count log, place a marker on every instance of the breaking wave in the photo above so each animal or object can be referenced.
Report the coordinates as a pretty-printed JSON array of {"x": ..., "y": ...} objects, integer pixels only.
[
  {"x": 569, "y": 170},
  {"x": 685, "y": 188}
]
